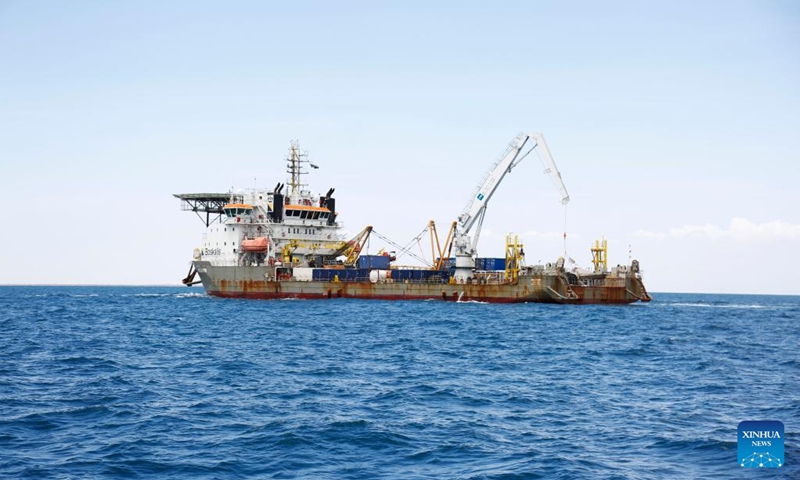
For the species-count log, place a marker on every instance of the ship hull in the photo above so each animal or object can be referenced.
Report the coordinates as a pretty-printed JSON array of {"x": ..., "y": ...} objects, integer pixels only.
[{"x": 261, "y": 283}]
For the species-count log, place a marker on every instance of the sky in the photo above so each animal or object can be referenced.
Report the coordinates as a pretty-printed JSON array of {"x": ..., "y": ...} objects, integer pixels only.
[{"x": 675, "y": 126}]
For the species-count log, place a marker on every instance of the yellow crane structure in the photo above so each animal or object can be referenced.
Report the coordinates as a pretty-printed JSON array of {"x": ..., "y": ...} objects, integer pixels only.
[
  {"x": 352, "y": 248},
  {"x": 515, "y": 257},
  {"x": 441, "y": 257},
  {"x": 600, "y": 256}
]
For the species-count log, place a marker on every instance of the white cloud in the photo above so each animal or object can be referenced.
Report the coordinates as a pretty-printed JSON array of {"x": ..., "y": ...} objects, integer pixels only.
[
  {"x": 488, "y": 234},
  {"x": 739, "y": 229}
]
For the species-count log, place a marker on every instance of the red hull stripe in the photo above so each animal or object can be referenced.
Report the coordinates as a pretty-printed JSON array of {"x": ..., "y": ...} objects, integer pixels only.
[{"x": 325, "y": 296}]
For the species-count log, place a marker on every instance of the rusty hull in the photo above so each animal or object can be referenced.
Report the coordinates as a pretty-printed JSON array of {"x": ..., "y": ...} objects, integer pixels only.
[{"x": 260, "y": 283}]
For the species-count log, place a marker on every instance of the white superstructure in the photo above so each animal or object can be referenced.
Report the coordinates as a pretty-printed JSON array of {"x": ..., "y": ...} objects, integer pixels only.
[{"x": 257, "y": 227}]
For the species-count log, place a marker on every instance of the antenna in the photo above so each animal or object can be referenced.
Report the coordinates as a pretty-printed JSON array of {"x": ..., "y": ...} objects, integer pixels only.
[{"x": 294, "y": 167}]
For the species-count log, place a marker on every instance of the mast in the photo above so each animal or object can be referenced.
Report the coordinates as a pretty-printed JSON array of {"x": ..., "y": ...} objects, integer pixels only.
[{"x": 294, "y": 168}]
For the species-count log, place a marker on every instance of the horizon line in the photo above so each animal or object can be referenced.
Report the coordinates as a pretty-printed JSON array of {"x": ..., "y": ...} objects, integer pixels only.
[{"x": 185, "y": 286}]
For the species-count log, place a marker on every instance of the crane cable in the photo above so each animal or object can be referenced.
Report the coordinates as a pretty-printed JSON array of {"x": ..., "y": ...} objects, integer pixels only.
[
  {"x": 546, "y": 171},
  {"x": 566, "y": 257},
  {"x": 422, "y": 252},
  {"x": 403, "y": 250},
  {"x": 415, "y": 239}
]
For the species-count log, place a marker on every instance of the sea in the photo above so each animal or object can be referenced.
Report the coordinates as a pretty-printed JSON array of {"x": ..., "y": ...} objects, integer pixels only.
[{"x": 168, "y": 383}]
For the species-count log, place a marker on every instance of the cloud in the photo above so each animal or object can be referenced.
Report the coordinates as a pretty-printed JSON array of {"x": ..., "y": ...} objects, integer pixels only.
[
  {"x": 491, "y": 234},
  {"x": 739, "y": 229}
]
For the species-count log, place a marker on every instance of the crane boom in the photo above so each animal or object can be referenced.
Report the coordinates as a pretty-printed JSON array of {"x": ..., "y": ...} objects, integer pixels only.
[
  {"x": 352, "y": 248},
  {"x": 477, "y": 203},
  {"x": 475, "y": 210},
  {"x": 551, "y": 166}
]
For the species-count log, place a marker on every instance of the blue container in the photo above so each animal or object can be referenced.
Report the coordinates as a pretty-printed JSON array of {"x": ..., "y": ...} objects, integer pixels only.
[
  {"x": 344, "y": 274},
  {"x": 400, "y": 275},
  {"x": 490, "y": 264},
  {"x": 450, "y": 263},
  {"x": 327, "y": 274},
  {"x": 319, "y": 274},
  {"x": 420, "y": 276},
  {"x": 379, "y": 262}
]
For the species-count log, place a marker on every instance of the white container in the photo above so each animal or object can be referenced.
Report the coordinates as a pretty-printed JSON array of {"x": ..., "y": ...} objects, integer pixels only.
[{"x": 303, "y": 274}]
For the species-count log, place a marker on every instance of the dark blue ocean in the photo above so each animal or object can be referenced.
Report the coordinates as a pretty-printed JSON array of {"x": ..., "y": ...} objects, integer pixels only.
[{"x": 161, "y": 382}]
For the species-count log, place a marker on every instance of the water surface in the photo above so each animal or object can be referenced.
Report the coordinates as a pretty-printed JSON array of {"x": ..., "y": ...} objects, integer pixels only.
[{"x": 161, "y": 382}]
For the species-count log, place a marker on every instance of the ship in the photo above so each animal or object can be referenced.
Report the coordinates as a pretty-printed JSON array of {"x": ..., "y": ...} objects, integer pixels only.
[{"x": 286, "y": 242}]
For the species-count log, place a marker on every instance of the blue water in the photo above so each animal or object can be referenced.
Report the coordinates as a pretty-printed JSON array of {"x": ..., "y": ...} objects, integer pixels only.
[{"x": 164, "y": 382}]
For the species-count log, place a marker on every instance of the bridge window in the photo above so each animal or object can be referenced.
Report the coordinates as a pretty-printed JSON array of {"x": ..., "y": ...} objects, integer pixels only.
[{"x": 232, "y": 211}]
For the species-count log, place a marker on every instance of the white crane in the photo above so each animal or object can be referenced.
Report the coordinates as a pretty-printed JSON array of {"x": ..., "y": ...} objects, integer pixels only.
[{"x": 475, "y": 210}]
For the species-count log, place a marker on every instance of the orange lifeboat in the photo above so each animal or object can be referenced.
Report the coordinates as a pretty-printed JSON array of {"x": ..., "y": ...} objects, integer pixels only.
[{"x": 258, "y": 244}]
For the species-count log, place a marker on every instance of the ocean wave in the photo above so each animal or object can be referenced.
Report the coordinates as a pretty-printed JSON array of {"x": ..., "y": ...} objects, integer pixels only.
[
  {"x": 734, "y": 306},
  {"x": 191, "y": 295},
  {"x": 152, "y": 385},
  {"x": 147, "y": 295}
]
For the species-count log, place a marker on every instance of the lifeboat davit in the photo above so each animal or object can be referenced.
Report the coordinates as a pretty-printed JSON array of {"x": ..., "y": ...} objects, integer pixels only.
[{"x": 258, "y": 244}]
